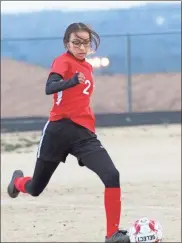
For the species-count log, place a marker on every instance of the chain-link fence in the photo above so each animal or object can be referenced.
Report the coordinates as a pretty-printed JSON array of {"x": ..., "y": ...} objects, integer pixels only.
[{"x": 142, "y": 72}]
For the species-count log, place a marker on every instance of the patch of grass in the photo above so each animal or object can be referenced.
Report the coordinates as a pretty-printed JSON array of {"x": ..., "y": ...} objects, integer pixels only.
[
  {"x": 7, "y": 147},
  {"x": 28, "y": 143},
  {"x": 20, "y": 144}
]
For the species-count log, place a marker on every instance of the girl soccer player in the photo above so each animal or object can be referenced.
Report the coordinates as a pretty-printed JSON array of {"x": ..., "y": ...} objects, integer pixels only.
[{"x": 71, "y": 129}]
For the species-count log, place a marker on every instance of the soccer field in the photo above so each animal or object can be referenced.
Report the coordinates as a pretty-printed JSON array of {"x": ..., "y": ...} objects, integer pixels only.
[{"x": 71, "y": 209}]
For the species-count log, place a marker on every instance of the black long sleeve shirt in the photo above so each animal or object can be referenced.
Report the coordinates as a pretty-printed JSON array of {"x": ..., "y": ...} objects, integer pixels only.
[{"x": 55, "y": 83}]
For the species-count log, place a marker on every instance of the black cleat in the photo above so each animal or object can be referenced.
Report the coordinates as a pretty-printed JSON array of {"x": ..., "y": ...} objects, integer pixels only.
[
  {"x": 12, "y": 191},
  {"x": 119, "y": 237}
]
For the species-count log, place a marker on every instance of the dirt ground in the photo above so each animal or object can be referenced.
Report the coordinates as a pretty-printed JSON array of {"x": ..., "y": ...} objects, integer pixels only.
[{"x": 71, "y": 208}]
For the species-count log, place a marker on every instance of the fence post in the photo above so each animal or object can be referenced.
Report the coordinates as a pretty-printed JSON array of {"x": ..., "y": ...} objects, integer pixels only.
[{"x": 129, "y": 74}]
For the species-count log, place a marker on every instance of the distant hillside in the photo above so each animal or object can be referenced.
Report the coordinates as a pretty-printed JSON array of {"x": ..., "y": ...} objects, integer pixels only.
[
  {"x": 156, "y": 53},
  {"x": 26, "y": 97}
]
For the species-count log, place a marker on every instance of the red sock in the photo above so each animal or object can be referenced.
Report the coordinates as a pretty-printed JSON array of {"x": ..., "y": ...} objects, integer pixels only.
[
  {"x": 112, "y": 201},
  {"x": 20, "y": 183}
]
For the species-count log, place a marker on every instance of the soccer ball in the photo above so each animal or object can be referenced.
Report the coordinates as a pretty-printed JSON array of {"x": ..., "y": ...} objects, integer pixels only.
[{"x": 145, "y": 230}]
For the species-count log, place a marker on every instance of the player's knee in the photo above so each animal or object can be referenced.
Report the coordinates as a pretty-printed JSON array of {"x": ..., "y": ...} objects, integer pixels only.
[
  {"x": 112, "y": 179},
  {"x": 32, "y": 190},
  {"x": 35, "y": 193}
]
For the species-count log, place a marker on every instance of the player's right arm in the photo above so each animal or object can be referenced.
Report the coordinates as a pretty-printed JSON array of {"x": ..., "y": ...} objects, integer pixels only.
[{"x": 56, "y": 82}]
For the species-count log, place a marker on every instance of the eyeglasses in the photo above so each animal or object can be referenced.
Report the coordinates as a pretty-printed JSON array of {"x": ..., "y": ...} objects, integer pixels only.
[{"x": 77, "y": 43}]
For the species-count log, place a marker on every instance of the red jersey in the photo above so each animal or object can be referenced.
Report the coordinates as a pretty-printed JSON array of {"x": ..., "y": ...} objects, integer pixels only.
[{"x": 74, "y": 102}]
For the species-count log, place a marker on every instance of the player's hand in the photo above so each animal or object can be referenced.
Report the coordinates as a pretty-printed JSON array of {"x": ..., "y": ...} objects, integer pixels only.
[{"x": 81, "y": 78}]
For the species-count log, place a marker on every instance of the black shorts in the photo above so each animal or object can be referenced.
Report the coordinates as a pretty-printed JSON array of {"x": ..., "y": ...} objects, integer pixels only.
[{"x": 63, "y": 137}]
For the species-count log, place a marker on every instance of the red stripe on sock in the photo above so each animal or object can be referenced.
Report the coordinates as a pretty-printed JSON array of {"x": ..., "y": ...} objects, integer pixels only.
[
  {"x": 20, "y": 183},
  {"x": 112, "y": 200}
]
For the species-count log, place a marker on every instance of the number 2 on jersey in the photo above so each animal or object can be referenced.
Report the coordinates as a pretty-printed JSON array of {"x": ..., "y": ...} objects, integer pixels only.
[{"x": 88, "y": 83}]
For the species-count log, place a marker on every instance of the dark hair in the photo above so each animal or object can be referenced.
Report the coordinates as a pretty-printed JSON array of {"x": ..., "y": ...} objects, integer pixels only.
[{"x": 75, "y": 27}]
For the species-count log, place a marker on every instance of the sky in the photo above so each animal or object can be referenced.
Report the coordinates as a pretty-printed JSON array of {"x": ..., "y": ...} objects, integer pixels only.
[{"x": 29, "y": 6}]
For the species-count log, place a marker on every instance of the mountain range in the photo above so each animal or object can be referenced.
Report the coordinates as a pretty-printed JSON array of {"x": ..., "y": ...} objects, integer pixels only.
[{"x": 149, "y": 35}]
